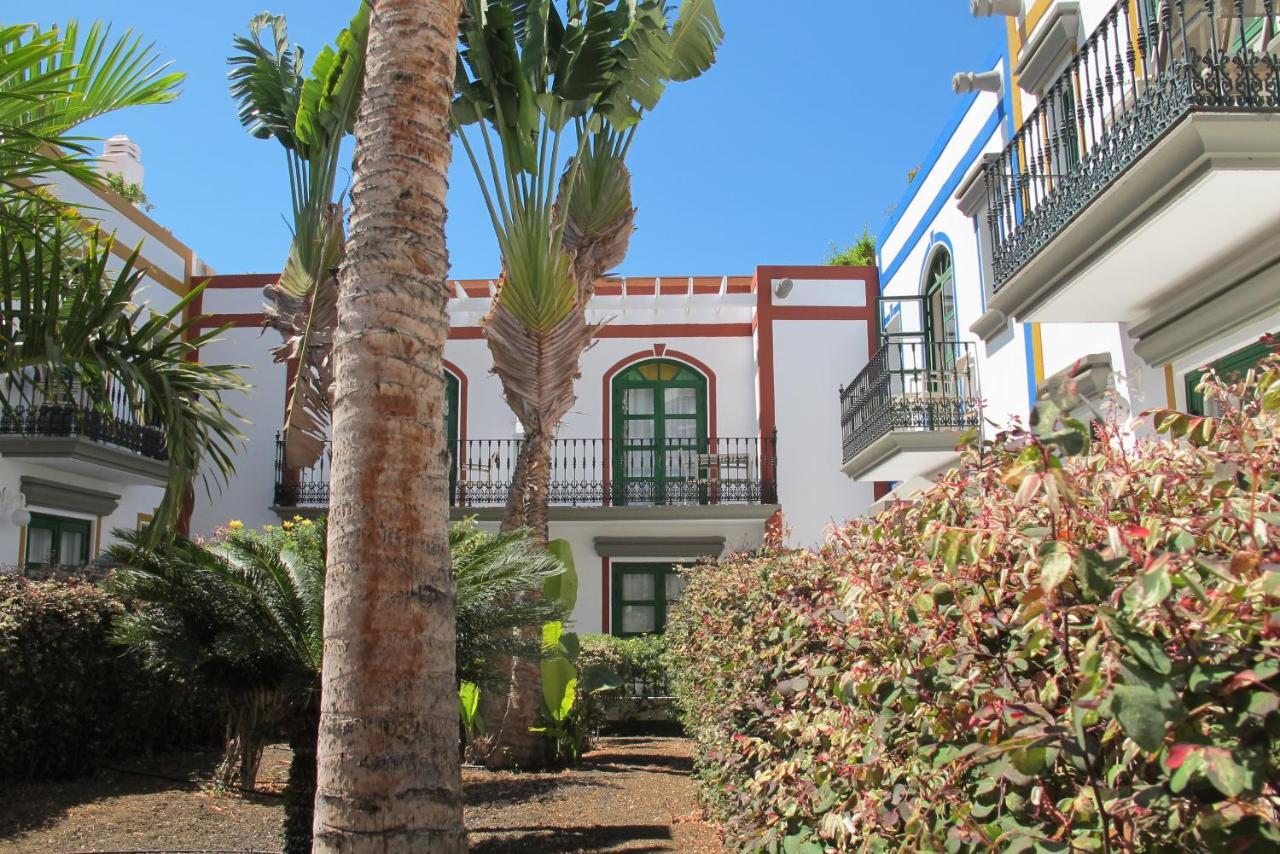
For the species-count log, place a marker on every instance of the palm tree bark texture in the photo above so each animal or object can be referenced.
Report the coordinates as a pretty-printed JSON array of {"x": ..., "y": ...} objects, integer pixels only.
[{"x": 388, "y": 764}]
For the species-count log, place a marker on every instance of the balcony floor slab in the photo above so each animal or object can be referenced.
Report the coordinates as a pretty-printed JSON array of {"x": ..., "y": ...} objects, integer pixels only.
[
  {"x": 904, "y": 454},
  {"x": 1191, "y": 218},
  {"x": 78, "y": 455}
]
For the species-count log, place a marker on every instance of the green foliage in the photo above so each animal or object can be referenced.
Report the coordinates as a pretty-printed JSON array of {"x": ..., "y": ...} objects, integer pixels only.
[
  {"x": 310, "y": 117},
  {"x": 623, "y": 676},
  {"x": 860, "y": 254},
  {"x": 1083, "y": 663},
  {"x": 53, "y": 80},
  {"x": 69, "y": 701},
  {"x": 560, "y": 683},
  {"x": 494, "y": 573},
  {"x": 469, "y": 711},
  {"x": 131, "y": 193}
]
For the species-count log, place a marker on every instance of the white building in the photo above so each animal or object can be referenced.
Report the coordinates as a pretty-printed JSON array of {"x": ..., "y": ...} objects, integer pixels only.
[
  {"x": 68, "y": 475},
  {"x": 707, "y": 416},
  {"x": 1103, "y": 206}
]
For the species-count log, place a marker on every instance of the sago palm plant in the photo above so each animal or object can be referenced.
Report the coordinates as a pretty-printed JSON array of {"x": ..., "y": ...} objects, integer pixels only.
[{"x": 245, "y": 615}]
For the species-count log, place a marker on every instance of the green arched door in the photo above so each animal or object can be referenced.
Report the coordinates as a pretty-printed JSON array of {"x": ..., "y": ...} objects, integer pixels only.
[
  {"x": 451, "y": 392},
  {"x": 659, "y": 429}
]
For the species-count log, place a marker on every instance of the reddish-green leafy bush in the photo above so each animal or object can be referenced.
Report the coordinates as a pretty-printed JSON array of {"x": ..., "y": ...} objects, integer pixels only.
[
  {"x": 70, "y": 699},
  {"x": 1064, "y": 646}
]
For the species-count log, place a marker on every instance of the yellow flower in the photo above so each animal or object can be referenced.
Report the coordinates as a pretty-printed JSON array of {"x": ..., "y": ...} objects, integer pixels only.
[
  {"x": 297, "y": 518},
  {"x": 287, "y": 525},
  {"x": 235, "y": 524},
  {"x": 306, "y": 523}
]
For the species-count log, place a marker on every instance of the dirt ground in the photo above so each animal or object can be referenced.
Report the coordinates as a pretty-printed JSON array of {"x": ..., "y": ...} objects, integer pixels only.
[{"x": 630, "y": 794}]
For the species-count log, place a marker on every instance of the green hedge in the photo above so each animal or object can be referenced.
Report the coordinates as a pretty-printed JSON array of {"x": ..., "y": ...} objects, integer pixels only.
[
  {"x": 1063, "y": 646},
  {"x": 69, "y": 699},
  {"x": 632, "y": 671}
]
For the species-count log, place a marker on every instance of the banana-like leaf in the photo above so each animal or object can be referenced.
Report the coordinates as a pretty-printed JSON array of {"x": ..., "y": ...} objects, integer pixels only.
[
  {"x": 331, "y": 95},
  {"x": 310, "y": 118},
  {"x": 563, "y": 587},
  {"x": 695, "y": 39},
  {"x": 266, "y": 81}
]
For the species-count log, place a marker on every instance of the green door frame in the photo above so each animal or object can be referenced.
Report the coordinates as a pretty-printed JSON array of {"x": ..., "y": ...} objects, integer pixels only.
[
  {"x": 451, "y": 403},
  {"x": 659, "y": 571},
  {"x": 938, "y": 280},
  {"x": 631, "y": 378}
]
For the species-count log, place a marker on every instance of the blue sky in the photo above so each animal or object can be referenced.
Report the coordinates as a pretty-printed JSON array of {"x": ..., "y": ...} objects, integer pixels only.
[{"x": 802, "y": 133}]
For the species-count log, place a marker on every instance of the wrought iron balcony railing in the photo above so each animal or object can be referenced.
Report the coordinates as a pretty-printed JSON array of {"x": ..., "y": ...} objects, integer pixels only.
[
  {"x": 910, "y": 384},
  {"x": 587, "y": 473},
  {"x": 45, "y": 404},
  {"x": 1148, "y": 65}
]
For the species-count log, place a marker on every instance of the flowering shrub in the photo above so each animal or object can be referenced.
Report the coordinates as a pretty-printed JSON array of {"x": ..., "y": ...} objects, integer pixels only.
[
  {"x": 1064, "y": 646},
  {"x": 69, "y": 699}
]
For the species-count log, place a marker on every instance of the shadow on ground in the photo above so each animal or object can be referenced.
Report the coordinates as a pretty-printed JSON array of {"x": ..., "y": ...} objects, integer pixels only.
[
  {"x": 515, "y": 788},
  {"x": 32, "y": 806},
  {"x": 558, "y": 840}
]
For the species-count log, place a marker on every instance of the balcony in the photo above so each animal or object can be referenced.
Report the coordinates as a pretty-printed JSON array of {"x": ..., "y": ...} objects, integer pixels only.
[
  {"x": 724, "y": 477},
  {"x": 1159, "y": 135},
  {"x": 52, "y": 422},
  {"x": 905, "y": 413}
]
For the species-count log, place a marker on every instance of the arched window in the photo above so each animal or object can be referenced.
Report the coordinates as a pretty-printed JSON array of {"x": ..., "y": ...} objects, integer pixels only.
[
  {"x": 659, "y": 429},
  {"x": 941, "y": 323}
]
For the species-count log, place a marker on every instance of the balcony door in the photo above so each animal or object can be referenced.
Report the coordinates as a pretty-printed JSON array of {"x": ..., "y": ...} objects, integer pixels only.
[
  {"x": 941, "y": 327},
  {"x": 451, "y": 389},
  {"x": 659, "y": 429}
]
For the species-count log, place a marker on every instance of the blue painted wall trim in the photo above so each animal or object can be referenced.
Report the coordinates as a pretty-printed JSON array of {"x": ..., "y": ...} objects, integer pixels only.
[
  {"x": 939, "y": 145},
  {"x": 1031, "y": 365},
  {"x": 979, "y": 144}
]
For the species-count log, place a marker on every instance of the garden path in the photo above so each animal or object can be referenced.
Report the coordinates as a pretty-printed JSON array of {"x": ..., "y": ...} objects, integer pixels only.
[{"x": 629, "y": 795}]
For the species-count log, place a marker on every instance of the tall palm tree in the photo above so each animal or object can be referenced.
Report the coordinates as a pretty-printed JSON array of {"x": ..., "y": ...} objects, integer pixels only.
[
  {"x": 557, "y": 98},
  {"x": 389, "y": 773},
  {"x": 244, "y": 616}
]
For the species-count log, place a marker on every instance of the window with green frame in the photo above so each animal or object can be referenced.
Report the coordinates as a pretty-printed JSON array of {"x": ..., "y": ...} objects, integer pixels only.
[
  {"x": 57, "y": 541},
  {"x": 1230, "y": 369},
  {"x": 642, "y": 592},
  {"x": 659, "y": 428}
]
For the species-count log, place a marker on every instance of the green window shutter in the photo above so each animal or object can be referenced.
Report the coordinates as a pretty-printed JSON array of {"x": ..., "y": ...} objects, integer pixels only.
[
  {"x": 640, "y": 596},
  {"x": 57, "y": 541}
]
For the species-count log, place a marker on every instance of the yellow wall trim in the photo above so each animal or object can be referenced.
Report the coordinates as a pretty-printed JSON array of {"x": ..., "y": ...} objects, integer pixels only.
[
  {"x": 1170, "y": 387},
  {"x": 1037, "y": 352}
]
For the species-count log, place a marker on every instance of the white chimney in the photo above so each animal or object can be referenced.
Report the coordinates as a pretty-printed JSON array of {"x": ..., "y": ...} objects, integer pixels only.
[
  {"x": 990, "y": 8},
  {"x": 122, "y": 156}
]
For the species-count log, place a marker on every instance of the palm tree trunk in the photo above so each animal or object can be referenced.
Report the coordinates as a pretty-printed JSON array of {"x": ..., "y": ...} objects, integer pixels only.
[
  {"x": 510, "y": 743},
  {"x": 300, "y": 797},
  {"x": 388, "y": 775}
]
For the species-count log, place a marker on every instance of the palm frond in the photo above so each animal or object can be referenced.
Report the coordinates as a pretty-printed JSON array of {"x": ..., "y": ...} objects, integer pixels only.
[
  {"x": 67, "y": 309},
  {"x": 53, "y": 80}
]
